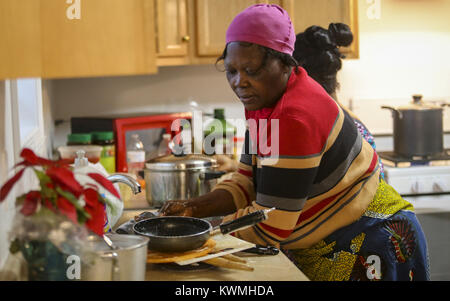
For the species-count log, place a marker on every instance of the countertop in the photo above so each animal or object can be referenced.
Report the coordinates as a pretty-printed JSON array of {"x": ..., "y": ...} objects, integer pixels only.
[{"x": 266, "y": 268}]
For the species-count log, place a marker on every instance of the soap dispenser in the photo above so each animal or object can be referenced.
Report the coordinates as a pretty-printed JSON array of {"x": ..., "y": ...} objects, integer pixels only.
[{"x": 81, "y": 160}]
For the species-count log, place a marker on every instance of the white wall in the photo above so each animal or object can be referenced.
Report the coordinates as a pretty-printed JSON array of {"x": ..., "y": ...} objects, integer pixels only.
[
  {"x": 171, "y": 90},
  {"x": 406, "y": 51}
]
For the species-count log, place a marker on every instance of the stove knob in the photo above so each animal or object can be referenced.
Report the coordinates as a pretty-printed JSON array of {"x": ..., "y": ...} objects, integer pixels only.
[{"x": 439, "y": 185}]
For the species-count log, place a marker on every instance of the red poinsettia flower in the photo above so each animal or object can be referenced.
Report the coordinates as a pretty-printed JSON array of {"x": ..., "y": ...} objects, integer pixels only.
[
  {"x": 49, "y": 205},
  {"x": 64, "y": 178},
  {"x": 6, "y": 188},
  {"x": 105, "y": 183},
  {"x": 30, "y": 159},
  {"x": 31, "y": 202},
  {"x": 67, "y": 209},
  {"x": 96, "y": 210},
  {"x": 60, "y": 192}
]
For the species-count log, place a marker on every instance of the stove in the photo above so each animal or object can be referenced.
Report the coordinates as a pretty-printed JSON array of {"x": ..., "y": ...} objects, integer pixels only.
[
  {"x": 425, "y": 183},
  {"x": 419, "y": 175}
]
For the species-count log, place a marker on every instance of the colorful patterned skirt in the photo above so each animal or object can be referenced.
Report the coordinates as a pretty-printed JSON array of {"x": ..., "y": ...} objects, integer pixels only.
[{"x": 386, "y": 243}]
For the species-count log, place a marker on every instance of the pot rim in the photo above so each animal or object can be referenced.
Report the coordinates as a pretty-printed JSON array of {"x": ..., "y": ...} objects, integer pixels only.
[
  {"x": 144, "y": 241},
  {"x": 418, "y": 108},
  {"x": 171, "y": 168},
  {"x": 183, "y": 163}
]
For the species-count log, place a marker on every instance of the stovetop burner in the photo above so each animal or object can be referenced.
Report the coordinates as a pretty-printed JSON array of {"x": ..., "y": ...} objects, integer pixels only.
[{"x": 396, "y": 160}]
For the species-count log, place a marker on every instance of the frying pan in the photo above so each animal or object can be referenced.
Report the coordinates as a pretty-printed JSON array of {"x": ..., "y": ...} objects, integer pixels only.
[{"x": 181, "y": 233}]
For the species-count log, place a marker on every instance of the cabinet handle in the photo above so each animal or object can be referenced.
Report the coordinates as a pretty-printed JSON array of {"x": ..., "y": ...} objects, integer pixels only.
[{"x": 186, "y": 38}]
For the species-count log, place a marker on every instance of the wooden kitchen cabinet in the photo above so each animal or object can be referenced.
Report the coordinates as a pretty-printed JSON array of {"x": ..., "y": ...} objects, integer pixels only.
[
  {"x": 193, "y": 31},
  {"x": 213, "y": 19},
  {"x": 171, "y": 28},
  {"x": 110, "y": 37},
  {"x": 20, "y": 53},
  {"x": 305, "y": 13}
]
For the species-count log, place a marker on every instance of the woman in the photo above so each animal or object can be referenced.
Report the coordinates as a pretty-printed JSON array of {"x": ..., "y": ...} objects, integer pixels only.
[
  {"x": 316, "y": 50},
  {"x": 333, "y": 212}
]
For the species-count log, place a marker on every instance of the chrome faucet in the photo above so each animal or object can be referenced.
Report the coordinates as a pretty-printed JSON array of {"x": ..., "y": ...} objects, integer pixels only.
[{"x": 125, "y": 179}]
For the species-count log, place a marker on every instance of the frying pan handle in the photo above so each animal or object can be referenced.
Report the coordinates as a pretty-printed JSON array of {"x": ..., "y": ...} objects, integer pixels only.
[{"x": 244, "y": 221}]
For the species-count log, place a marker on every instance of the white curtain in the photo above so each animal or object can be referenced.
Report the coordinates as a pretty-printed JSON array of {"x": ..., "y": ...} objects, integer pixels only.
[{"x": 21, "y": 125}]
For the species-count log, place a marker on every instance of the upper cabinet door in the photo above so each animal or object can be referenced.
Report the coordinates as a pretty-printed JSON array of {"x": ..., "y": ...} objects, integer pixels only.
[
  {"x": 213, "y": 19},
  {"x": 108, "y": 37},
  {"x": 305, "y": 13},
  {"x": 20, "y": 33},
  {"x": 77, "y": 38},
  {"x": 171, "y": 28}
]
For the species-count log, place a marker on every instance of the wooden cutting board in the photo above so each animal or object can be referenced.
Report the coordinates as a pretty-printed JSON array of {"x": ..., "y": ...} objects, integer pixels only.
[{"x": 224, "y": 244}]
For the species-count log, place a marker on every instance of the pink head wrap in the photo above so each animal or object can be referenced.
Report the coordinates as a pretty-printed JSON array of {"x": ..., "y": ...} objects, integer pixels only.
[{"x": 264, "y": 24}]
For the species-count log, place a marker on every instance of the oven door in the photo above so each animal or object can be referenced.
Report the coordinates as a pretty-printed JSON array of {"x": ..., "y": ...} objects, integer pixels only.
[
  {"x": 419, "y": 180},
  {"x": 427, "y": 189}
]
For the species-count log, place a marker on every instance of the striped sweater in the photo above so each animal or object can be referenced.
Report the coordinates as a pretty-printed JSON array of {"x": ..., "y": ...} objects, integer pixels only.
[{"x": 321, "y": 178}]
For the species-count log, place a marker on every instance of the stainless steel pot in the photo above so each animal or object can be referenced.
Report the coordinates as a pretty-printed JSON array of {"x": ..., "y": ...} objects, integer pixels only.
[
  {"x": 418, "y": 128},
  {"x": 179, "y": 178},
  {"x": 126, "y": 263}
]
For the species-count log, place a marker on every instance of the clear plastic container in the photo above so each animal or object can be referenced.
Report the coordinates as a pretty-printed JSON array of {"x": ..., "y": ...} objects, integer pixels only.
[
  {"x": 135, "y": 155},
  {"x": 164, "y": 148},
  {"x": 69, "y": 152}
]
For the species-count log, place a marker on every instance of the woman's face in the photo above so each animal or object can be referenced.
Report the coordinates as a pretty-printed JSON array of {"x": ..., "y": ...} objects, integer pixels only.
[{"x": 257, "y": 85}]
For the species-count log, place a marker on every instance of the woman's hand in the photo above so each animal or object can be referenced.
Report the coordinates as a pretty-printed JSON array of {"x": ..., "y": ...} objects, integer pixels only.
[
  {"x": 216, "y": 203},
  {"x": 226, "y": 163},
  {"x": 177, "y": 208}
]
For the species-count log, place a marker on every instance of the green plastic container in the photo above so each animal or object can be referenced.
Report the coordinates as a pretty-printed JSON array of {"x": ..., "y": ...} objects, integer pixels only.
[{"x": 79, "y": 139}]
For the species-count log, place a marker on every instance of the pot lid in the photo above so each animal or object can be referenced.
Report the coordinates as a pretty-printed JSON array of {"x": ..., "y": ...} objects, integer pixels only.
[
  {"x": 418, "y": 104},
  {"x": 185, "y": 162}
]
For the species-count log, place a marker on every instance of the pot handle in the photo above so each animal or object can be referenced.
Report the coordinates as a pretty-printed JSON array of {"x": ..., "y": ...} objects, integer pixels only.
[
  {"x": 115, "y": 264},
  {"x": 394, "y": 110},
  {"x": 210, "y": 175},
  {"x": 390, "y": 108},
  {"x": 244, "y": 221}
]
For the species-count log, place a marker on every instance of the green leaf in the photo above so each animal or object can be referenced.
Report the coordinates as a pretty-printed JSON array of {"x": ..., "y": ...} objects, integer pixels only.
[
  {"x": 82, "y": 215},
  {"x": 69, "y": 196},
  {"x": 44, "y": 180}
]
